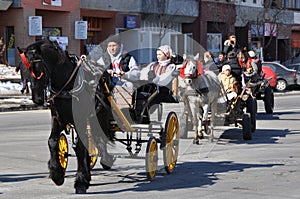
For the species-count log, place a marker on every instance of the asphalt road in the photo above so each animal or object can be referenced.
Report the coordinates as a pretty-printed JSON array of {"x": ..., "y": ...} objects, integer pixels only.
[{"x": 268, "y": 166}]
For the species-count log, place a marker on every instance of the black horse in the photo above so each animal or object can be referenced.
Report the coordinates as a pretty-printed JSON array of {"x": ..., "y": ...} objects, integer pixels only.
[{"x": 73, "y": 100}]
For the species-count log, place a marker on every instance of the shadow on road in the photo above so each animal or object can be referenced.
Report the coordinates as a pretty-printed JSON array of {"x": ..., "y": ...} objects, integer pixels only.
[
  {"x": 260, "y": 136},
  {"x": 186, "y": 175},
  {"x": 21, "y": 177},
  {"x": 275, "y": 115}
]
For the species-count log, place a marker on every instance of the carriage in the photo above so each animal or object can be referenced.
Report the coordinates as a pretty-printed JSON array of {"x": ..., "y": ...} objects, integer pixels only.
[
  {"x": 84, "y": 106},
  {"x": 135, "y": 131},
  {"x": 241, "y": 111}
]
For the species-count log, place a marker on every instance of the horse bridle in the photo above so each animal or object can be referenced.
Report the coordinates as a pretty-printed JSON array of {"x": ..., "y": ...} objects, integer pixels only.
[
  {"x": 197, "y": 73},
  {"x": 29, "y": 66}
]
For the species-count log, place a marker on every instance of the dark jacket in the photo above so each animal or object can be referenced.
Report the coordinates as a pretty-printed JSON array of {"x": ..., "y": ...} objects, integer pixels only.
[
  {"x": 124, "y": 61},
  {"x": 228, "y": 49},
  {"x": 236, "y": 70}
]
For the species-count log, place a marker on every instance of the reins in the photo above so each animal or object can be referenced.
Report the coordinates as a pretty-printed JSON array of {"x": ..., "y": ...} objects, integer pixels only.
[{"x": 65, "y": 85}]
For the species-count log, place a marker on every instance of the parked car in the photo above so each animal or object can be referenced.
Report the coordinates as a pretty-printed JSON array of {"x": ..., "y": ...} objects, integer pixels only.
[
  {"x": 285, "y": 77},
  {"x": 297, "y": 68},
  {"x": 268, "y": 72}
]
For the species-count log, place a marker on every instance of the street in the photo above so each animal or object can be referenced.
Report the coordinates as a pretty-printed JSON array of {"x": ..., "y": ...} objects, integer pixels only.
[{"x": 268, "y": 166}]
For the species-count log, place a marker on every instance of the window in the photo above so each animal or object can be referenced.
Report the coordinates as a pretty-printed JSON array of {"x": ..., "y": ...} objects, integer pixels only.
[
  {"x": 286, "y": 3},
  {"x": 214, "y": 42},
  {"x": 297, "y": 3}
]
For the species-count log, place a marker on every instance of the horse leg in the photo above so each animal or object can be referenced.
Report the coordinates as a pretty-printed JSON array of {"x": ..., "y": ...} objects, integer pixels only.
[
  {"x": 214, "y": 107},
  {"x": 197, "y": 122},
  {"x": 205, "y": 121},
  {"x": 57, "y": 173},
  {"x": 83, "y": 174},
  {"x": 26, "y": 86}
]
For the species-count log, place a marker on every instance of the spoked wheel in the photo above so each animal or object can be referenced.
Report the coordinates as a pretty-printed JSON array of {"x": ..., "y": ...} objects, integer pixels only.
[
  {"x": 93, "y": 153},
  {"x": 170, "y": 150},
  {"x": 151, "y": 158},
  {"x": 247, "y": 127},
  {"x": 63, "y": 151}
]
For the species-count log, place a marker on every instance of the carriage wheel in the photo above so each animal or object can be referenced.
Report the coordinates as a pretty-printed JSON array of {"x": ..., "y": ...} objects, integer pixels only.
[
  {"x": 269, "y": 100},
  {"x": 170, "y": 150},
  {"x": 252, "y": 109},
  {"x": 93, "y": 153},
  {"x": 151, "y": 158},
  {"x": 63, "y": 151},
  {"x": 247, "y": 127}
]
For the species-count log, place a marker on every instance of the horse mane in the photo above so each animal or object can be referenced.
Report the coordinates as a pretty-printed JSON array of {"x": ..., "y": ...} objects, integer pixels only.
[{"x": 47, "y": 43}]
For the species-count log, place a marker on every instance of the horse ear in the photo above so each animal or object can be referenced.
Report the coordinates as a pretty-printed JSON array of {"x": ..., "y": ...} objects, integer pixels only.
[
  {"x": 184, "y": 56},
  {"x": 196, "y": 57},
  {"x": 20, "y": 50}
]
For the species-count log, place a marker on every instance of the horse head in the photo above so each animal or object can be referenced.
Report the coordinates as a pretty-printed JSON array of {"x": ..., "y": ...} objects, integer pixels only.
[
  {"x": 191, "y": 68},
  {"x": 35, "y": 66}
]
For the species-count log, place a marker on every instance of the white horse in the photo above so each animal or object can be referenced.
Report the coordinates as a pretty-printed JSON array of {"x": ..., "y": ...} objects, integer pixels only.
[{"x": 198, "y": 101}]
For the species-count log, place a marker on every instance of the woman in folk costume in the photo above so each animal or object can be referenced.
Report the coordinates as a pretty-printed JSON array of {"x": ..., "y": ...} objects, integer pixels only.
[
  {"x": 158, "y": 76},
  {"x": 160, "y": 72},
  {"x": 116, "y": 61}
]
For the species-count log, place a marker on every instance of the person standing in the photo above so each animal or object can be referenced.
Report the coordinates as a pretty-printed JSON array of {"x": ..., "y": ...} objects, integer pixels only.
[{"x": 230, "y": 45}]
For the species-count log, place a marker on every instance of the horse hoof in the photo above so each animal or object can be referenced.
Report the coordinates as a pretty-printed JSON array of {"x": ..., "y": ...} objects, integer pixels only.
[
  {"x": 58, "y": 180},
  {"x": 107, "y": 161},
  {"x": 80, "y": 190},
  {"x": 196, "y": 142},
  {"x": 201, "y": 136}
]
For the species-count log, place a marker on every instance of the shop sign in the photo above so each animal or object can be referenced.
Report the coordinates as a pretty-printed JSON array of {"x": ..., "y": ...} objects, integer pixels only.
[
  {"x": 270, "y": 29},
  {"x": 80, "y": 29},
  {"x": 130, "y": 22},
  {"x": 35, "y": 26},
  {"x": 257, "y": 29}
]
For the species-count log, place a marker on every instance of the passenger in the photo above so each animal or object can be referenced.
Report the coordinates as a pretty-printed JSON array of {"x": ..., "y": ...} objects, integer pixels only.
[
  {"x": 228, "y": 81},
  {"x": 252, "y": 69},
  {"x": 159, "y": 76},
  {"x": 220, "y": 61},
  {"x": 236, "y": 69},
  {"x": 160, "y": 72},
  {"x": 209, "y": 63},
  {"x": 117, "y": 62}
]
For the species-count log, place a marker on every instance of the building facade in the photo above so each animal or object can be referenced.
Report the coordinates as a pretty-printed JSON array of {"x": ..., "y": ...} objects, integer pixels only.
[{"x": 270, "y": 27}]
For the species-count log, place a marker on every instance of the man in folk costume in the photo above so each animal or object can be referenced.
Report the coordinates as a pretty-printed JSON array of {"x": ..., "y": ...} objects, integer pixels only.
[{"x": 117, "y": 62}]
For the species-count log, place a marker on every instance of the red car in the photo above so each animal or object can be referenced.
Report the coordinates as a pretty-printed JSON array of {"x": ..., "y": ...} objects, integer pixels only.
[{"x": 268, "y": 72}]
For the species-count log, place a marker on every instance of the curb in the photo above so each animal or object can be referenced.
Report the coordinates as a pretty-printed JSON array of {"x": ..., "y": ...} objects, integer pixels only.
[{"x": 16, "y": 107}]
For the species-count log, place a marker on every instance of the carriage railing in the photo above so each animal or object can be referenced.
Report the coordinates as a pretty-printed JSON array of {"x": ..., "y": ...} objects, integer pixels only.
[{"x": 122, "y": 121}]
